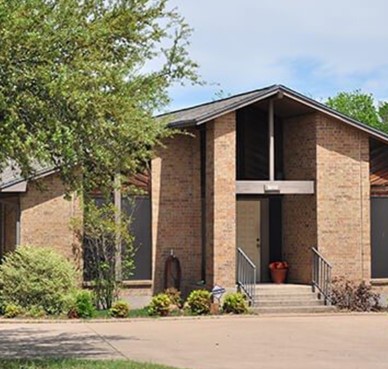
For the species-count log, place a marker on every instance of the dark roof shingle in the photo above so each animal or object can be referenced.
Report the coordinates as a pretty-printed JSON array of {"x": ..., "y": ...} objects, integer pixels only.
[
  {"x": 200, "y": 113},
  {"x": 203, "y": 113}
]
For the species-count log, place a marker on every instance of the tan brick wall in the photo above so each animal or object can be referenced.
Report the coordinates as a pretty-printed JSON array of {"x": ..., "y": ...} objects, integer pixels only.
[
  {"x": 299, "y": 211},
  {"x": 343, "y": 198},
  {"x": 221, "y": 201},
  {"x": 176, "y": 216},
  {"x": 299, "y": 235},
  {"x": 336, "y": 218},
  {"x": 46, "y": 215}
]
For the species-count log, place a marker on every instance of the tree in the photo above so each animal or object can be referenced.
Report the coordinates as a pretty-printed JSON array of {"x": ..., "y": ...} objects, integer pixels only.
[
  {"x": 383, "y": 111},
  {"x": 98, "y": 231},
  {"x": 361, "y": 106},
  {"x": 80, "y": 81}
]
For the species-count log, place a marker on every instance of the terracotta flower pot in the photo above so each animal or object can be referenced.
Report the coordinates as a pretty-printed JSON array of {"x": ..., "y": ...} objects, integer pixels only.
[{"x": 279, "y": 275}]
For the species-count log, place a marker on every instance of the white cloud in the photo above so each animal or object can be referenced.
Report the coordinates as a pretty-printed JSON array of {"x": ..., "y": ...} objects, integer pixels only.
[{"x": 318, "y": 46}]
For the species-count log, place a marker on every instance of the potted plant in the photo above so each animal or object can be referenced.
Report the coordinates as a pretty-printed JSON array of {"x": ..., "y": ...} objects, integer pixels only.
[{"x": 278, "y": 271}]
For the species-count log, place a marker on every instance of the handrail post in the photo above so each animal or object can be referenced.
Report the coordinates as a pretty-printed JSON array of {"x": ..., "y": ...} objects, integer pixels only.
[
  {"x": 321, "y": 276},
  {"x": 246, "y": 275}
]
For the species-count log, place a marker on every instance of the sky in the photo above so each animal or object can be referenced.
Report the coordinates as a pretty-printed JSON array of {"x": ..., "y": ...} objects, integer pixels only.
[{"x": 316, "y": 47}]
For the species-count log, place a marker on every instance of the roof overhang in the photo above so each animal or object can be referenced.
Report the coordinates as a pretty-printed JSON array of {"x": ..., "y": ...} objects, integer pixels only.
[
  {"x": 272, "y": 92},
  {"x": 16, "y": 187},
  {"x": 19, "y": 184},
  {"x": 218, "y": 113}
]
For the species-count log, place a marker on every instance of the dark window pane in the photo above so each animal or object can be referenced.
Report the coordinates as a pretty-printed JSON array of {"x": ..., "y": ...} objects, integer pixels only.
[
  {"x": 139, "y": 208},
  {"x": 252, "y": 145}
]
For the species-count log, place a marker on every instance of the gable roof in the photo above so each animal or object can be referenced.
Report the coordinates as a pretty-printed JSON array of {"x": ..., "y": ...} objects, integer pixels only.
[
  {"x": 200, "y": 114},
  {"x": 12, "y": 180}
]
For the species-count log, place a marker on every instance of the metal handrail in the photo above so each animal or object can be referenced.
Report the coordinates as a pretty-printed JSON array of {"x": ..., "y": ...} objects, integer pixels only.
[
  {"x": 246, "y": 275},
  {"x": 321, "y": 276}
]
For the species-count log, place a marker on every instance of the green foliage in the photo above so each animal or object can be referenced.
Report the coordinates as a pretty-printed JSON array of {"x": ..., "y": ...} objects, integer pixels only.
[
  {"x": 175, "y": 296},
  {"x": 35, "y": 312},
  {"x": 354, "y": 296},
  {"x": 235, "y": 303},
  {"x": 76, "y": 364},
  {"x": 199, "y": 302},
  {"x": 139, "y": 313},
  {"x": 383, "y": 112},
  {"x": 80, "y": 82},
  {"x": 120, "y": 309},
  {"x": 12, "y": 311},
  {"x": 34, "y": 276},
  {"x": 83, "y": 305},
  {"x": 361, "y": 106},
  {"x": 160, "y": 305},
  {"x": 99, "y": 231}
]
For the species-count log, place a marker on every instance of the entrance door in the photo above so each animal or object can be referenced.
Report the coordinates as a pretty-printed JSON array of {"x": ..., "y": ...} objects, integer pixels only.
[
  {"x": 379, "y": 230},
  {"x": 252, "y": 232}
]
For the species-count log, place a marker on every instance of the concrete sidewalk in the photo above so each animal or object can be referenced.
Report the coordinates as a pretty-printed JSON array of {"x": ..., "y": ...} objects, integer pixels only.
[{"x": 327, "y": 342}]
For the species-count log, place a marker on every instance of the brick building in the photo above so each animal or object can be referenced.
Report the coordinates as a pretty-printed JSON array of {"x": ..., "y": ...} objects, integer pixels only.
[{"x": 269, "y": 172}]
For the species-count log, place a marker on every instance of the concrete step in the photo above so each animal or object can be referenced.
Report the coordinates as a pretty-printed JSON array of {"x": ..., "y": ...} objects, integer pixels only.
[
  {"x": 290, "y": 303},
  {"x": 282, "y": 289},
  {"x": 271, "y": 286},
  {"x": 294, "y": 309},
  {"x": 286, "y": 296},
  {"x": 288, "y": 299}
]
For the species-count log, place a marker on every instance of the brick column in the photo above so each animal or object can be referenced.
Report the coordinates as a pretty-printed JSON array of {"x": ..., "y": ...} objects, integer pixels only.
[
  {"x": 176, "y": 212},
  {"x": 221, "y": 202},
  {"x": 299, "y": 211},
  {"x": 343, "y": 198}
]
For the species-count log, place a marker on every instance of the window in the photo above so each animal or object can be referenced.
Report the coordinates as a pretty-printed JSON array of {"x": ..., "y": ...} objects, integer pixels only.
[
  {"x": 138, "y": 208},
  {"x": 9, "y": 216}
]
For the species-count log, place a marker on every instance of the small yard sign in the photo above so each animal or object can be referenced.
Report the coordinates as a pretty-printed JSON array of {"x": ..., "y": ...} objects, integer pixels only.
[{"x": 217, "y": 292}]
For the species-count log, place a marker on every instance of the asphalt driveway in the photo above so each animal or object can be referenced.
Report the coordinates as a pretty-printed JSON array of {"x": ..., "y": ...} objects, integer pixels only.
[{"x": 333, "y": 341}]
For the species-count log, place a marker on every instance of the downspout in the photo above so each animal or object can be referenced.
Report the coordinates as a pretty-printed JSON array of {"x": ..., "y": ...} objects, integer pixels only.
[
  {"x": 362, "y": 206},
  {"x": 18, "y": 226},
  {"x": 202, "y": 133},
  {"x": 271, "y": 133}
]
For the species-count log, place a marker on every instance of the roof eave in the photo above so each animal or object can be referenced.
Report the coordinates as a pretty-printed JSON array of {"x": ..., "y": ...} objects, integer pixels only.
[
  {"x": 333, "y": 113},
  {"x": 214, "y": 115},
  {"x": 40, "y": 174},
  {"x": 292, "y": 95},
  {"x": 183, "y": 123},
  {"x": 236, "y": 106}
]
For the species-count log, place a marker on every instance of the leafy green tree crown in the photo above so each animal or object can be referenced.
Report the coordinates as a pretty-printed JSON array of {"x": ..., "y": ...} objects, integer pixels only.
[
  {"x": 80, "y": 81},
  {"x": 361, "y": 106}
]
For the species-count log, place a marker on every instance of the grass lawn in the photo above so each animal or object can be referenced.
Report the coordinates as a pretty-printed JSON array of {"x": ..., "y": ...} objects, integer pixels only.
[
  {"x": 76, "y": 364},
  {"x": 134, "y": 313}
]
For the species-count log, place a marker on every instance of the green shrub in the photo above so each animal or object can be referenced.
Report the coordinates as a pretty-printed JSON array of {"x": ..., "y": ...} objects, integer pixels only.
[
  {"x": 12, "y": 311},
  {"x": 80, "y": 304},
  {"x": 199, "y": 302},
  {"x": 34, "y": 276},
  {"x": 160, "y": 305},
  {"x": 354, "y": 296},
  {"x": 84, "y": 304},
  {"x": 235, "y": 303},
  {"x": 175, "y": 296},
  {"x": 119, "y": 309},
  {"x": 35, "y": 312}
]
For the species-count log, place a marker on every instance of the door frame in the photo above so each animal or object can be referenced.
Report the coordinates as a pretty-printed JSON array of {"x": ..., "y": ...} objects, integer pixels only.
[{"x": 264, "y": 255}]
